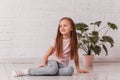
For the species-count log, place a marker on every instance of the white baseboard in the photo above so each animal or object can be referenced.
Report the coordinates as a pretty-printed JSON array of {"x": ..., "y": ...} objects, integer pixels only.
[
  {"x": 38, "y": 59},
  {"x": 107, "y": 59},
  {"x": 20, "y": 59}
]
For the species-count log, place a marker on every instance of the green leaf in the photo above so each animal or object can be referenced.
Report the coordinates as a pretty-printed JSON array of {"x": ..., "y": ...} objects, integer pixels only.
[
  {"x": 105, "y": 48},
  {"x": 112, "y": 26},
  {"x": 96, "y": 23},
  {"x": 95, "y": 33},
  {"x": 81, "y": 26},
  {"x": 94, "y": 39},
  {"x": 84, "y": 41},
  {"x": 79, "y": 35},
  {"x": 79, "y": 44},
  {"x": 96, "y": 49},
  {"x": 108, "y": 39}
]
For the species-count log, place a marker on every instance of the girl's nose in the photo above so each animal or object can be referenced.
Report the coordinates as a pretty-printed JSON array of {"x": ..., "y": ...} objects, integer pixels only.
[{"x": 62, "y": 27}]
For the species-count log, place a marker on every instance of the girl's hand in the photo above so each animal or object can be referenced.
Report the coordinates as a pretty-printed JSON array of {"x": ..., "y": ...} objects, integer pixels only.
[
  {"x": 82, "y": 71},
  {"x": 41, "y": 65}
]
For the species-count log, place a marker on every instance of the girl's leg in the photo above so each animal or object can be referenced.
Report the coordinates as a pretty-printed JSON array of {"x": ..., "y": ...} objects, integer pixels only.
[
  {"x": 65, "y": 70},
  {"x": 51, "y": 68}
]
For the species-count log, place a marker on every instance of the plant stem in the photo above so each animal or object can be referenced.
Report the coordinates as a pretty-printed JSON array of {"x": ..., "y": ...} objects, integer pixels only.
[
  {"x": 84, "y": 48},
  {"x": 100, "y": 44},
  {"x": 101, "y": 29},
  {"x": 106, "y": 32},
  {"x": 88, "y": 49},
  {"x": 94, "y": 27}
]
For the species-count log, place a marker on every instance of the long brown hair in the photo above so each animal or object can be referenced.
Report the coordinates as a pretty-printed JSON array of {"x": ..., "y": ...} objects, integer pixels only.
[{"x": 73, "y": 41}]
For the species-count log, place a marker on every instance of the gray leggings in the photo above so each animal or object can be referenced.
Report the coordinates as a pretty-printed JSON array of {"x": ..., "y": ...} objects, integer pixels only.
[{"x": 52, "y": 68}]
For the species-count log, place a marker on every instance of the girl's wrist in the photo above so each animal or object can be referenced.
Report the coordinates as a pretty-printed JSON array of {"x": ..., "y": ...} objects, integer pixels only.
[
  {"x": 77, "y": 68},
  {"x": 43, "y": 63}
]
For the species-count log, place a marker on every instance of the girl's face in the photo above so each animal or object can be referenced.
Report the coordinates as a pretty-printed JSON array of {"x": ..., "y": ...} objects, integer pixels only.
[{"x": 65, "y": 27}]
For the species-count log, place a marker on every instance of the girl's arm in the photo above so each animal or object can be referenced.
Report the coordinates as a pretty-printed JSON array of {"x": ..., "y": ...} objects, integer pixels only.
[
  {"x": 45, "y": 57},
  {"x": 78, "y": 67}
]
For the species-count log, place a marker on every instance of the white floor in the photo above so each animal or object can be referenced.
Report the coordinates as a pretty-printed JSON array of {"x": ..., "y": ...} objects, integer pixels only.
[{"x": 100, "y": 71}]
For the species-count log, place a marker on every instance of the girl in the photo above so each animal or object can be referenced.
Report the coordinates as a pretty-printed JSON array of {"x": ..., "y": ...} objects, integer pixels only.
[{"x": 56, "y": 59}]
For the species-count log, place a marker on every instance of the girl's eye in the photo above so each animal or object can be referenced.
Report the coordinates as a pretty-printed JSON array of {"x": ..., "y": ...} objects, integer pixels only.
[{"x": 65, "y": 25}]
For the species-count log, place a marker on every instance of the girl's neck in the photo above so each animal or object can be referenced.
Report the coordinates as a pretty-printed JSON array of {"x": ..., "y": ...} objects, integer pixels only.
[{"x": 66, "y": 36}]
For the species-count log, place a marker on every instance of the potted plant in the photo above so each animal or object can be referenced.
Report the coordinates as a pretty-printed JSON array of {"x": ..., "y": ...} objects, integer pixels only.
[{"x": 92, "y": 39}]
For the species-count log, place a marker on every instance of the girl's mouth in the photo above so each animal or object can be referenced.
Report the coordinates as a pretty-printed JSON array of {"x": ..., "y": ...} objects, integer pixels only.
[{"x": 62, "y": 30}]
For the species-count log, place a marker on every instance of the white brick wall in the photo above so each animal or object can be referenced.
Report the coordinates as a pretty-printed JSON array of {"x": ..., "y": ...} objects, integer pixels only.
[{"x": 27, "y": 26}]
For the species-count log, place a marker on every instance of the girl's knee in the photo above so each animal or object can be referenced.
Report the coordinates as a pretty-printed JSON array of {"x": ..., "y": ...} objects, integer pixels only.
[
  {"x": 70, "y": 70},
  {"x": 53, "y": 71},
  {"x": 53, "y": 67}
]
